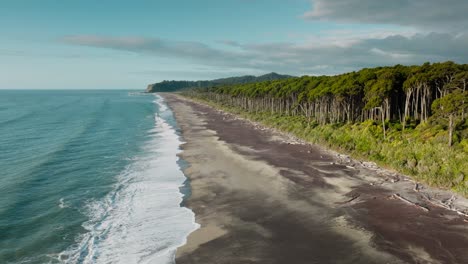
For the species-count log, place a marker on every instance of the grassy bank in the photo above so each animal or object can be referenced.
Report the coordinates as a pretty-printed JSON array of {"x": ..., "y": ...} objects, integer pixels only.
[{"x": 420, "y": 152}]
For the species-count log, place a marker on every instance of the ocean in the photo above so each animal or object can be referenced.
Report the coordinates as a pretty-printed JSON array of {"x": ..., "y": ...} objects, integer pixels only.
[{"x": 90, "y": 177}]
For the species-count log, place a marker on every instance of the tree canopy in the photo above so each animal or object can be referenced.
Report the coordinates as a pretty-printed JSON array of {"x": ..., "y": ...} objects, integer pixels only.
[{"x": 404, "y": 94}]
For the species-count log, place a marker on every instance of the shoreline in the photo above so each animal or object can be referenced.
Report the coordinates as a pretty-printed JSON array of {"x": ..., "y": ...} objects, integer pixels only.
[{"x": 255, "y": 195}]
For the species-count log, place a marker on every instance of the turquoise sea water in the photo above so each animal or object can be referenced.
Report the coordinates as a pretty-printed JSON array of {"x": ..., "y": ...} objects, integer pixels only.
[{"x": 89, "y": 177}]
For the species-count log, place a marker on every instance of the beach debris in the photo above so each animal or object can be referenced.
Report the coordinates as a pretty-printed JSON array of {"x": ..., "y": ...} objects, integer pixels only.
[
  {"x": 344, "y": 159},
  {"x": 462, "y": 213},
  {"x": 401, "y": 198},
  {"x": 446, "y": 204},
  {"x": 449, "y": 202},
  {"x": 392, "y": 178},
  {"x": 369, "y": 165},
  {"x": 354, "y": 197}
]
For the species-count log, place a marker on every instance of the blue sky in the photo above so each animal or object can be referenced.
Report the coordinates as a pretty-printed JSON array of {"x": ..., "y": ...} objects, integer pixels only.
[{"x": 128, "y": 44}]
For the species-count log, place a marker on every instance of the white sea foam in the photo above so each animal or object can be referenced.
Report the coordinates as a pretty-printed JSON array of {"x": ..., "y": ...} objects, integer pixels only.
[
  {"x": 160, "y": 102},
  {"x": 62, "y": 203},
  {"x": 141, "y": 221}
]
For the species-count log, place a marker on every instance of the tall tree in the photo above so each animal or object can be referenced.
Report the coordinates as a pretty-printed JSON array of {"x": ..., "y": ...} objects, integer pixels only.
[{"x": 449, "y": 107}]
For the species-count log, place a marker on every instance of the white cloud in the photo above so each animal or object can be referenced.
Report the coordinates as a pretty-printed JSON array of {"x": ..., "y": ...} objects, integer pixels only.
[
  {"x": 440, "y": 15},
  {"x": 327, "y": 55}
]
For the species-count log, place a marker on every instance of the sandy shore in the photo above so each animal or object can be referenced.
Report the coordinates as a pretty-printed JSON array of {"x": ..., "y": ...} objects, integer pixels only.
[{"x": 261, "y": 197}]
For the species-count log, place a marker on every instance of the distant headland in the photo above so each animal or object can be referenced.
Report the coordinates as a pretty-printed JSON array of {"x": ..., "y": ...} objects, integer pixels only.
[{"x": 172, "y": 86}]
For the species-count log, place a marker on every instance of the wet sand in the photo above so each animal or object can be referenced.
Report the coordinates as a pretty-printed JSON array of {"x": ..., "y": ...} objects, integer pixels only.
[{"x": 262, "y": 197}]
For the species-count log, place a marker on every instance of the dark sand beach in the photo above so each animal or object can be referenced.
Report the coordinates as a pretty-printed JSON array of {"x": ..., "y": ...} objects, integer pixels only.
[{"x": 263, "y": 197}]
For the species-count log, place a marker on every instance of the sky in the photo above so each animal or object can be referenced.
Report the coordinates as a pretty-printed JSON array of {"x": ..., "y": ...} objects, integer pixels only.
[{"x": 89, "y": 44}]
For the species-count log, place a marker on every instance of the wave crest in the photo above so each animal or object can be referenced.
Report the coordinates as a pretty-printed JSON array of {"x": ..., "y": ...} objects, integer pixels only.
[{"x": 141, "y": 220}]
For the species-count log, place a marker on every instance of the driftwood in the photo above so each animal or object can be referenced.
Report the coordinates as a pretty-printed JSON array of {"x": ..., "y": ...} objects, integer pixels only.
[
  {"x": 448, "y": 204},
  {"x": 396, "y": 195},
  {"x": 350, "y": 200}
]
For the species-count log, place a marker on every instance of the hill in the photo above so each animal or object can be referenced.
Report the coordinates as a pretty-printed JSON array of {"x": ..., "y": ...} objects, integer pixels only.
[{"x": 172, "y": 86}]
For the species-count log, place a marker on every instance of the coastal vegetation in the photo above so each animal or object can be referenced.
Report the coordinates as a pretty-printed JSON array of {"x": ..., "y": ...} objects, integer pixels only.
[
  {"x": 408, "y": 118},
  {"x": 173, "y": 86}
]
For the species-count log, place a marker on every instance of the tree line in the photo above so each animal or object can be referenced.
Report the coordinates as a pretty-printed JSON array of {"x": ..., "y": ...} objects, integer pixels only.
[
  {"x": 408, "y": 95},
  {"x": 174, "y": 86}
]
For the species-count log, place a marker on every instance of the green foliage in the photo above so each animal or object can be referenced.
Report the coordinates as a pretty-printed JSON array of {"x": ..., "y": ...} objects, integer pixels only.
[
  {"x": 173, "y": 86},
  {"x": 451, "y": 104},
  {"x": 464, "y": 145}
]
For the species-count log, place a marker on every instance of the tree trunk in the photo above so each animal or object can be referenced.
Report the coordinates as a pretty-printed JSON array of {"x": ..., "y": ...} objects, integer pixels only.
[
  {"x": 463, "y": 109},
  {"x": 382, "y": 114},
  {"x": 407, "y": 106},
  {"x": 450, "y": 130}
]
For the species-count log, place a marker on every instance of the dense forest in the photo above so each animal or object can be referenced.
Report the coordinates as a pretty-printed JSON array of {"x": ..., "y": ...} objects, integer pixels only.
[
  {"x": 399, "y": 106},
  {"x": 400, "y": 94},
  {"x": 172, "y": 86}
]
